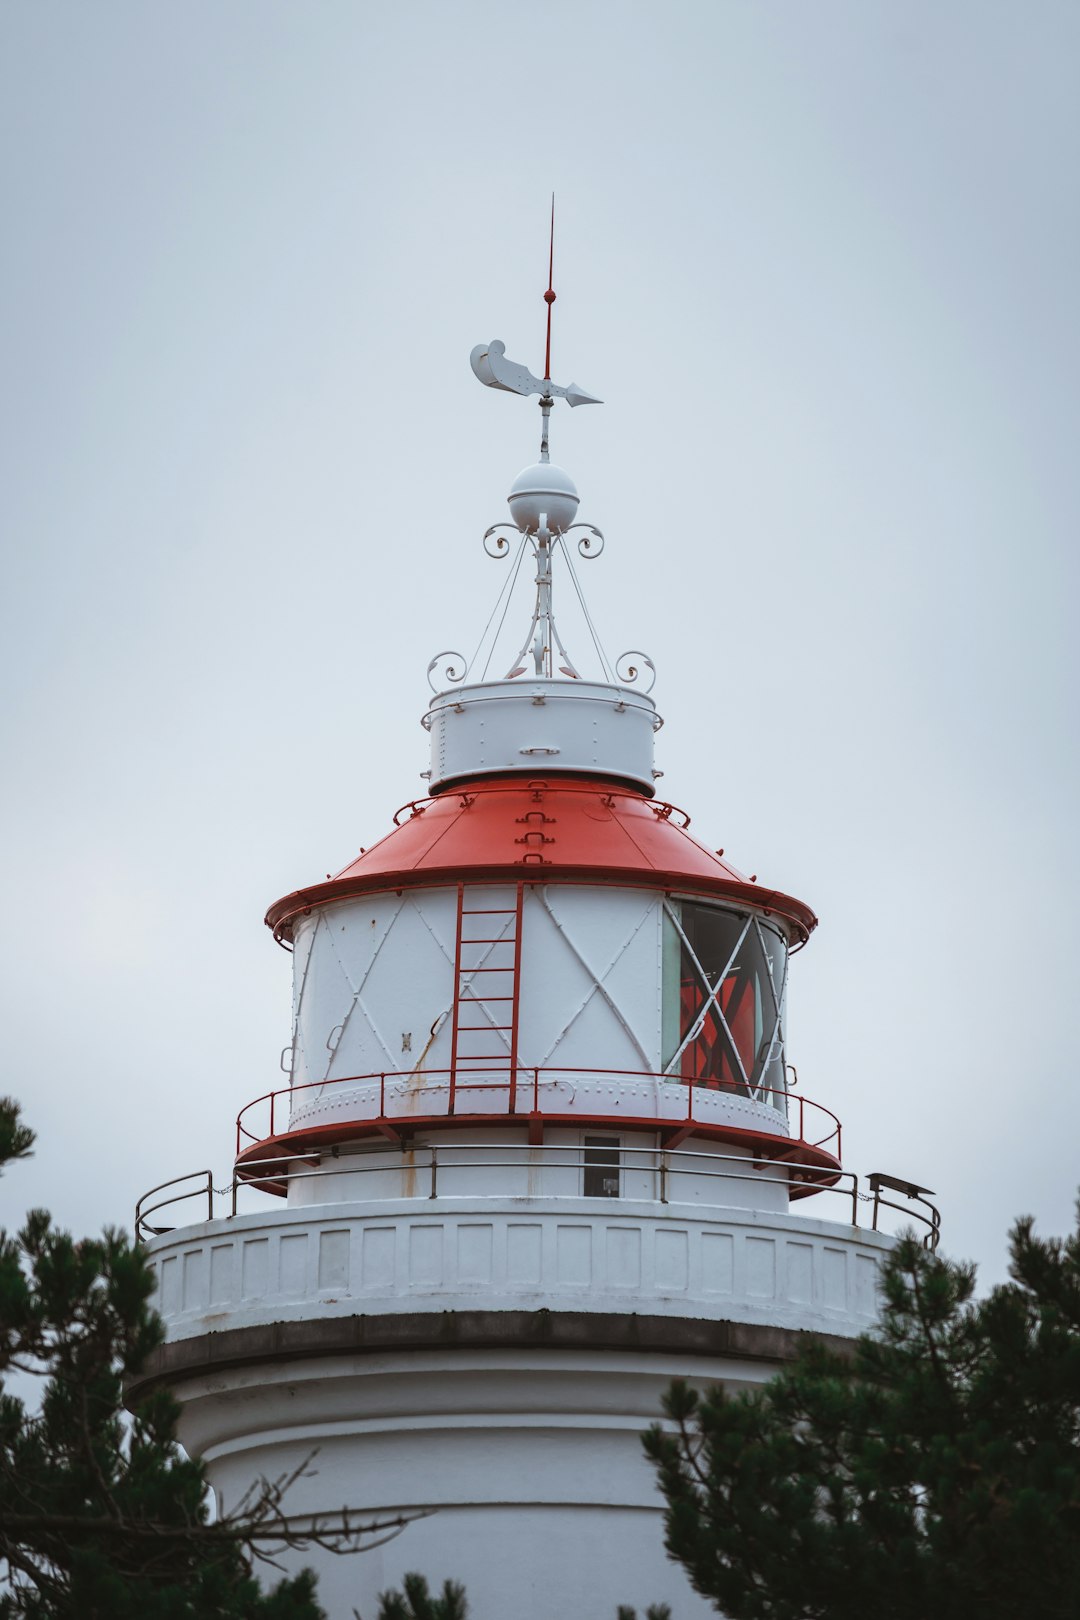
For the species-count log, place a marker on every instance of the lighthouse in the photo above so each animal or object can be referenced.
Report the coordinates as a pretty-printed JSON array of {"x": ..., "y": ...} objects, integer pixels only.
[{"x": 538, "y": 1148}]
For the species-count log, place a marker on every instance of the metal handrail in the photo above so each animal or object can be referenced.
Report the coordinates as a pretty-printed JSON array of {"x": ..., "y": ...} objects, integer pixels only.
[
  {"x": 282, "y": 1168},
  {"x": 490, "y": 1079},
  {"x": 206, "y": 1191},
  {"x": 931, "y": 1220},
  {"x": 787, "y": 1169}
]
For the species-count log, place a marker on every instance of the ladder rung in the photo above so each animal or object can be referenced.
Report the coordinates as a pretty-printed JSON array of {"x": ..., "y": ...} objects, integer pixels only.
[{"x": 489, "y": 1067}]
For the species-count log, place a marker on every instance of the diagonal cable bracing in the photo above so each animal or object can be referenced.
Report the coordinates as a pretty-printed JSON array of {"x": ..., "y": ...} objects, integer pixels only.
[
  {"x": 598, "y": 982},
  {"x": 357, "y": 990},
  {"x": 604, "y": 664},
  {"x": 502, "y": 600}
]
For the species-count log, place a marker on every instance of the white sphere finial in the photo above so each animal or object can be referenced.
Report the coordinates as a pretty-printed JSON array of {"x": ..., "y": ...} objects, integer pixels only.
[{"x": 543, "y": 490}]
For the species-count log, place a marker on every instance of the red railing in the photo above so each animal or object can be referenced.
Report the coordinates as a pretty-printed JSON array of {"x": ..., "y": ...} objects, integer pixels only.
[{"x": 527, "y": 1082}]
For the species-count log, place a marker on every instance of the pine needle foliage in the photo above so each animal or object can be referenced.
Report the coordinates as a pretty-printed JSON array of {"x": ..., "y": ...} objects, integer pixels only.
[
  {"x": 932, "y": 1475},
  {"x": 102, "y": 1516},
  {"x": 417, "y": 1602}
]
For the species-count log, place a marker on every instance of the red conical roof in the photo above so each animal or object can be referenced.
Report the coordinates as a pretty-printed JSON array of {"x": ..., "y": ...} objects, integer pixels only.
[{"x": 566, "y": 830}]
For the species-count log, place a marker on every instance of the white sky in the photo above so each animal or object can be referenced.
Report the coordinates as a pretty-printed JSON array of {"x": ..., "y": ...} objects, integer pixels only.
[{"x": 820, "y": 260}]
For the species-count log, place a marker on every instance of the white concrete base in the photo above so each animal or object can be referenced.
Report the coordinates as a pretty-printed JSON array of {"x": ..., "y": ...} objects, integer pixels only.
[
  {"x": 467, "y": 1254},
  {"x": 530, "y": 1463}
]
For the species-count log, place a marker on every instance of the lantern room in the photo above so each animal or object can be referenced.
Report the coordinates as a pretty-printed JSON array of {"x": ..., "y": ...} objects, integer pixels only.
[{"x": 540, "y": 950}]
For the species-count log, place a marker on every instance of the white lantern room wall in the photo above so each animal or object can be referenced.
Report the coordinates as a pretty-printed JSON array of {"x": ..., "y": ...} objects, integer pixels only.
[
  {"x": 375, "y": 984},
  {"x": 640, "y": 984}
]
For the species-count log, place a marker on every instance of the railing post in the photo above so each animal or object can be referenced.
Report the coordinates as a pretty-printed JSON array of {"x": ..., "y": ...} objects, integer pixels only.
[
  {"x": 663, "y": 1176},
  {"x": 209, "y": 1195},
  {"x": 434, "y": 1171},
  {"x": 235, "y": 1180},
  {"x": 536, "y": 1091},
  {"x": 854, "y": 1200}
]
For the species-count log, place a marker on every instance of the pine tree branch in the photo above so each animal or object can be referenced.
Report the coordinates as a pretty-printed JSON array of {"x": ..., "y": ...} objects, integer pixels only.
[{"x": 223, "y": 1531}]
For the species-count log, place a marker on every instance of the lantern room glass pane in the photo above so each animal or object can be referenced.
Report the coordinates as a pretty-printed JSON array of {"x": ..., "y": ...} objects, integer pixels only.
[{"x": 723, "y": 978}]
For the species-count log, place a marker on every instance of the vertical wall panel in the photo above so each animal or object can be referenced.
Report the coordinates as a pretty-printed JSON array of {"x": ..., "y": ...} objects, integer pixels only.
[
  {"x": 866, "y": 1285},
  {"x": 574, "y": 1255},
  {"x": 834, "y": 1272},
  {"x": 170, "y": 1284},
  {"x": 292, "y": 1264},
  {"x": 474, "y": 1253},
  {"x": 222, "y": 1273},
  {"x": 334, "y": 1260},
  {"x": 377, "y": 1267},
  {"x": 718, "y": 1262},
  {"x": 624, "y": 1256},
  {"x": 196, "y": 1280},
  {"x": 761, "y": 1268},
  {"x": 800, "y": 1273},
  {"x": 425, "y": 1254},
  {"x": 672, "y": 1260},
  {"x": 523, "y": 1253},
  {"x": 255, "y": 1268}
]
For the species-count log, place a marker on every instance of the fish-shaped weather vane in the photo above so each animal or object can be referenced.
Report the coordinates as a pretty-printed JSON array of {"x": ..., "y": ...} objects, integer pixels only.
[{"x": 494, "y": 370}]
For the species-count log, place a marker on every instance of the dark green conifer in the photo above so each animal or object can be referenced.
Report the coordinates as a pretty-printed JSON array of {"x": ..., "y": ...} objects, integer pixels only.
[
  {"x": 417, "y": 1602},
  {"x": 102, "y": 1516},
  {"x": 933, "y": 1474}
]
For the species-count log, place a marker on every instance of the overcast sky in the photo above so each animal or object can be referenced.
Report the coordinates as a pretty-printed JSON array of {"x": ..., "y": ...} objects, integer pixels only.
[{"x": 821, "y": 261}]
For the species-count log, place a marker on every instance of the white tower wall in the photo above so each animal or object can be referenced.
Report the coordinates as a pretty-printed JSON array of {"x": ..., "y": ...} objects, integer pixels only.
[{"x": 518, "y": 1427}]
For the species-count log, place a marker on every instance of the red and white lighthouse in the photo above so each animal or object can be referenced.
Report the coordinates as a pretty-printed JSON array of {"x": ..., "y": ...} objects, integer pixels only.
[{"x": 537, "y": 1153}]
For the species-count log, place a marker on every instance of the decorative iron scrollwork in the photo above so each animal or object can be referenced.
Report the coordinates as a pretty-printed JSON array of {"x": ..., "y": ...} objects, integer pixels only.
[
  {"x": 497, "y": 545},
  {"x": 629, "y": 673},
  {"x": 451, "y": 673},
  {"x": 590, "y": 545}
]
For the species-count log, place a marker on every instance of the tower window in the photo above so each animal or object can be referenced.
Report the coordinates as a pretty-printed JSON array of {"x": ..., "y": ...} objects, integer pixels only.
[
  {"x": 724, "y": 980},
  {"x": 601, "y": 1167}
]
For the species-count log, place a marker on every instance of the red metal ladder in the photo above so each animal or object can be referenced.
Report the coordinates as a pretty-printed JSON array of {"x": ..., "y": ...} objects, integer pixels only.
[{"x": 483, "y": 946}]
